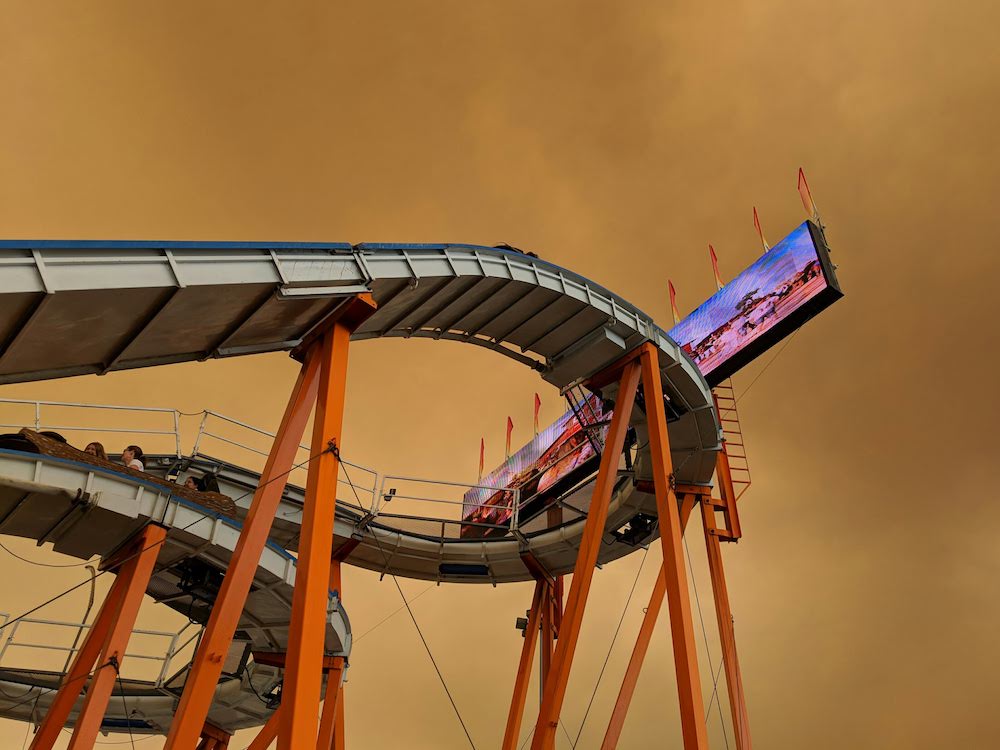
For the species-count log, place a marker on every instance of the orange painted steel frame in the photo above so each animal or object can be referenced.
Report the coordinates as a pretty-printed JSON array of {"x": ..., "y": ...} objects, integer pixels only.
[
  {"x": 105, "y": 644},
  {"x": 627, "y": 371},
  {"x": 734, "y": 680},
  {"x": 620, "y": 710},
  {"x": 324, "y": 371},
  {"x": 539, "y": 602},
  {"x": 213, "y": 738},
  {"x": 727, "y": 636},
  {"x": 556, "y": 680},
  {"x": 331, "y": 723}
]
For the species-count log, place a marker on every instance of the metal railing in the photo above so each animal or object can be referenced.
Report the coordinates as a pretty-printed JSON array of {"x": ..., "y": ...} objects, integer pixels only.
[
  {"x": 38, "y": 421},
  {"x": 358, "y": 485},
  {"x": 453, "y": 515},
  {"x": 175, "y": 645},
  {"x": 430, "y": 510}
]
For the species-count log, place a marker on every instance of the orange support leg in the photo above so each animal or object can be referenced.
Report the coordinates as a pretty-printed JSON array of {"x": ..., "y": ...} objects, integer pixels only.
[
  {"x": 72, "y": 684},
  {"x": 620, "y": 710},
  {"x": 692, "y": 706},
  {"x": 310, "y": 598},
  {"x": 268, "y": 733},
  {"x": 199, "y": 690},
  {"x": 213, "y": 738},
  {"x": 328, "y": 721},
  {"x": 137, "y": 570},
  {"x": 331, "y": 723},
  {"x": 539, "y": 602},
  {"x": 583, "y": 572},
  {"x": 730, "y": 661}
]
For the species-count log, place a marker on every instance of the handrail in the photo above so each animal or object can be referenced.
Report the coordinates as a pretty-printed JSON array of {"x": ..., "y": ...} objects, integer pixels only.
[
  {"x": 370, "y": 491},
  {"x": 164, "y": 659},
  {"x": 39, "y": 425}
]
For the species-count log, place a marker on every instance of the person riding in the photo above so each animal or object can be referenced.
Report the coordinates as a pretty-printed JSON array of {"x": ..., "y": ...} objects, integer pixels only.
[
  {"x": 132, "y": 457},
  {"x": 97, "y": 450}
]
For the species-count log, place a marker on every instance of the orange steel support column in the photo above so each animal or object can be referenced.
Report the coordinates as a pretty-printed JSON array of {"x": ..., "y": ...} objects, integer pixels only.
[
  {"x": 331, "y": 723},
  {"x": 72, "y": 684},
  {"x": 539, "y": 602},
  {"x": 310, "y": 598},
  {"x": 137, "y": 571},
  {"x": 583, "y": 572},
  {"x": 548, "y": 638},
  {"x": 692, "y": 706},
  {"x": 734, "y": 683},
  {"x": 328, "y": 721},
  {"x": 620, "y": 711},
  {"x": 199, "y": 690},
  {"x": 267, "y": 733}
]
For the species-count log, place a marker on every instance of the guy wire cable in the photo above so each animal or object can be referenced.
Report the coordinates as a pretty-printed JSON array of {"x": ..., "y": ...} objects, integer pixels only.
[{"x": 444, "y": 684}]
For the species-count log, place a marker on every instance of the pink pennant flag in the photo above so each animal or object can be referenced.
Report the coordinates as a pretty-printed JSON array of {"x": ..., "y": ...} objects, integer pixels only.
[
  {"x": 715, "y": 267},
  {"x": 482, "y": 456},
  {"x": 807, "y": 200},
  {"x": 673, "y": 302},
  {"x": 760, "y": 232},
  {"x": 538, "y": 405},
  {"x": 510, "y": 429}
]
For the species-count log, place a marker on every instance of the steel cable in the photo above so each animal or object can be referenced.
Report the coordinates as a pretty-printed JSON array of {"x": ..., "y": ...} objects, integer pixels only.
[{"x": 399, "y": 588}]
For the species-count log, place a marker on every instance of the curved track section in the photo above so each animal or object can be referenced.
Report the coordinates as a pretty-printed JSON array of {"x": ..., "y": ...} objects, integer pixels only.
[
  {"x": 120, "y": 305},
  {"x": 85, "y": 511}
]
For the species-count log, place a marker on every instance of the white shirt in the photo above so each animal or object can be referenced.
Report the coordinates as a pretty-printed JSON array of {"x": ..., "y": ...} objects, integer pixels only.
[{"x": 135, "y": 463}]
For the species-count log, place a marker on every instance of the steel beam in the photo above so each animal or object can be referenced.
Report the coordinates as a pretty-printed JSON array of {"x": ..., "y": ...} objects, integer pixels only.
[
  {"x": 267, "y": 733},
  {"x": 74, "y": 680},
  {"x": 199, "y": 689},
  {"x": 136, "y": 571},
  {"x": 539, "y": 601},
  {"x": 724, "y": 616},
  {"x": 620, "y": 710},
  {"x": 310, "y": 598},
  {"x": 331, "y": 723},
  {"x": 692, "y": 706},
  {"x": 583, "y": 572}
]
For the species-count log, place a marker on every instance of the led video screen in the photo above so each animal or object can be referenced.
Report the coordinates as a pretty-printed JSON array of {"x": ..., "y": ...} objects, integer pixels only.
[
  {"x": 556, "y": 453},
  {"x": 786, "y": 286}
]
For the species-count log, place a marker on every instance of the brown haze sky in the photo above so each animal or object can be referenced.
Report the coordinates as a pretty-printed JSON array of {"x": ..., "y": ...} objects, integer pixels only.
[{"x": 616, "y": 139}]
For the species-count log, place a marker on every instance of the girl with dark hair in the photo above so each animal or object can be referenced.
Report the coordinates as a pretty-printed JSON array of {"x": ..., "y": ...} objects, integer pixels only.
[{"x": 132, "y": 457}]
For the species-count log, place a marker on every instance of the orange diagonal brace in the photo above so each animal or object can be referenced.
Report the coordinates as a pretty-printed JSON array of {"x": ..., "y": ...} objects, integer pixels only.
[
  {"x": 72, "y": 684},
  {"x": 692, "y": 707},
  {"x": 267, "y": 733},
  {"x": 730, "y": 660},
  {"x": 328, "y": 720},
  {"x": 207, "y": 666},
  {"x": 641, "y": 646},
  {"x": 586, "y": 559},
  {"x": 137, "y": 570},
  {"x": 539, "y": 601},
  {"x": 331, "y": 722},
  {"x": 310, "y": 598}
]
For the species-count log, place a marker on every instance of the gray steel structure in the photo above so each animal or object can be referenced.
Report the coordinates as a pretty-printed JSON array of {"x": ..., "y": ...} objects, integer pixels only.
[{"x": 73, "y": 308}]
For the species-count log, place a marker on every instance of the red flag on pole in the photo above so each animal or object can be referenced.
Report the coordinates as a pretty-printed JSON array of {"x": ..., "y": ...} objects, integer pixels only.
[
  {"x": 510, "y": 428},
  {"x": 807, "y": 199},
  {"x": 673, "y": 302},
  {"x": 538, "y": 405},
  {"x": 482, "y": 456},
  {"x": 715, "y": 267},
  {"x": 760, "y": 232}
]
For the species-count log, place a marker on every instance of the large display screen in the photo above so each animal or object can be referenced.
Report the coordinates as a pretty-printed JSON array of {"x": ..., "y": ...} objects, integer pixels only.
[
  {"x": 556, "y": 453},
  {"x": 786, "y": 286}
]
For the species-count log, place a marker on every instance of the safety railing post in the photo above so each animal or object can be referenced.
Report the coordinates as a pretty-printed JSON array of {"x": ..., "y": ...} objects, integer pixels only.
[
  {"x": 201, "y": 431},
  {"x": 177, "y": 433}
]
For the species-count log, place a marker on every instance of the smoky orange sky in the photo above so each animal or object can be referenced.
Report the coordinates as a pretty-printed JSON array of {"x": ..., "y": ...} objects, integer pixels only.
[{"x": 616, "y": 139}]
